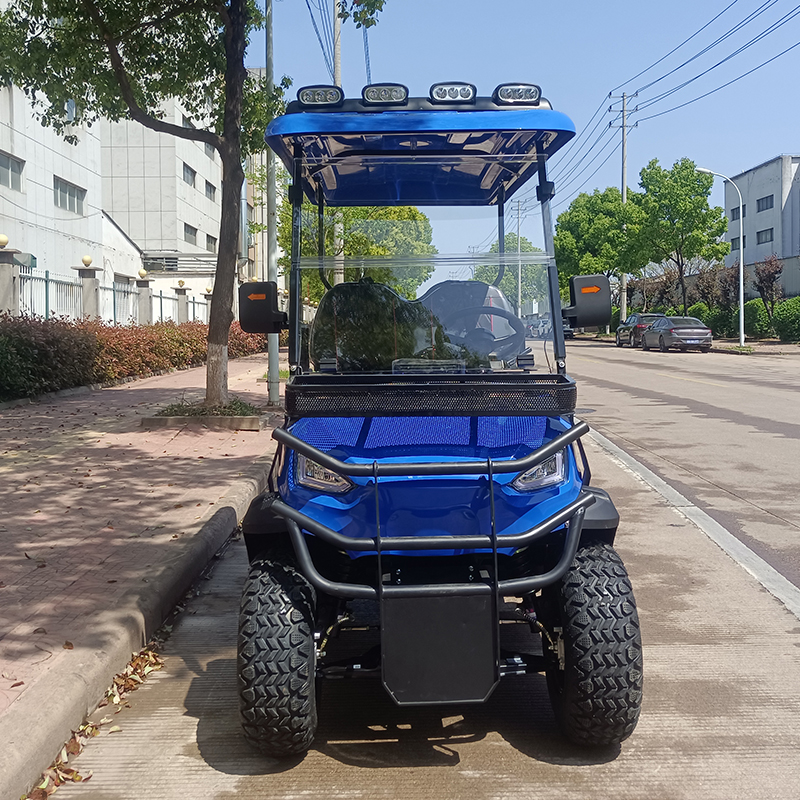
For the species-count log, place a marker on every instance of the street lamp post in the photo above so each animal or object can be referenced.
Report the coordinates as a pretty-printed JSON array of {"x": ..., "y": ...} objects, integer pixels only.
[{"x": 741, "y": 249}]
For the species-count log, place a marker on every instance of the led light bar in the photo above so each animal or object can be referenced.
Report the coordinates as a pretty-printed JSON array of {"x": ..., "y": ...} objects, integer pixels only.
[
  {"x": 320, "y": 96},
  {"x": 381, "y": 94},
  {"x": 522, "y": 93},
  {"x": 454, "y": 92}
]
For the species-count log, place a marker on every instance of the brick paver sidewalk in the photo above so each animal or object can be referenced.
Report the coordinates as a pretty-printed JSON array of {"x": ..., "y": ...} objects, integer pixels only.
[{"x": 91, "y": 503}]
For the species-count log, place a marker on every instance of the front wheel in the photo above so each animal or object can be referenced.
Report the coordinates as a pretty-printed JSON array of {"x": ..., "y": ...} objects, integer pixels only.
[
  {"x": 619, "y": 341},
  {"x": 594, "y": 653},
  {"x": 277, "y": 659}
]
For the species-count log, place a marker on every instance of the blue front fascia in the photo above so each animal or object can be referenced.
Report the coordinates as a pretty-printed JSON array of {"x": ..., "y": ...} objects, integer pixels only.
[{"x": 429, "y": 505}]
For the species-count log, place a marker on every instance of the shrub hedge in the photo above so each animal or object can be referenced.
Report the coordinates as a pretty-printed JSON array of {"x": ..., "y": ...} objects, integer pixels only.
[
  {"x": 44, "y": 355},
  {"x": 786, "y": 320}
]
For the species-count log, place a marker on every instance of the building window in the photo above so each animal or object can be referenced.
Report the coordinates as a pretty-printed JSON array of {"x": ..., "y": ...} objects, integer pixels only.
[
  {"x": 211, "y": 244},
  {"x": 70, "y": 111},
  {"x": 188, "y": 174},
  {"x": 762, "y": 237},
  {"x": 735, "y": 243},
  {"x": 187, "y": 123},
  {"x": 735, "y": 212},
  {"x": 68, "y": 196},
  {"x": 764, "y": 203},
  {"x": 11, "y": 172},
  {"x": 211, "y": 151},
  {"x": 211, "y": 191},
  {"x": 189, "y": 233}
]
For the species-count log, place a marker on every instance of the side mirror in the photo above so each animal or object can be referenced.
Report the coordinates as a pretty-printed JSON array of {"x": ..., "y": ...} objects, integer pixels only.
[
  {"x": 258, "y": 308},
  {"x": 590, "y": 301}
]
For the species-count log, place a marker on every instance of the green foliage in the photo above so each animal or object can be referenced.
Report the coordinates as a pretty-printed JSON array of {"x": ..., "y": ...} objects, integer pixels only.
[
  {"x": 46, "y": 355},
  {"x": 534, "y": 280},
  {"x": 678, "y": 224},
  {"x": 598, "y": 234},
  {"x": 699, "y": 310},
  {"x": 233, "y": 408},
  {"x": 367, "y": 232},
  {"x": 756, "y": 319},
  {"x": 786, "y": 320},
  {"x": 614, "y": 319},
  {"x": 722, "y": 321},
  {"x": 42, "y": 355}
]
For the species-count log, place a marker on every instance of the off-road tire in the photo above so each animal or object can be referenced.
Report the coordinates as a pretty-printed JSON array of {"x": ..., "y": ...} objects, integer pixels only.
[
  {"x": 597, "y": 696},
  {"x": 277, "y": 660}
]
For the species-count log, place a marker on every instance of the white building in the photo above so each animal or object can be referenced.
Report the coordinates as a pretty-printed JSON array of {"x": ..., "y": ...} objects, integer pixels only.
[
  {"x": 50, "y": 191},
  {"x": 771, "y": 216}
]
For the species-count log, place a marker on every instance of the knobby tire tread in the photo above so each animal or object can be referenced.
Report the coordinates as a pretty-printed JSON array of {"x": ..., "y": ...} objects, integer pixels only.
[
  {"x": 597, "y": 698},
  {"x": 276, "y": 659}
]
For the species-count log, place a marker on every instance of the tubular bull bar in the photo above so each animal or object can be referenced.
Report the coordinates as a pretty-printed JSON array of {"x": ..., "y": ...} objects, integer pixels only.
[{"x": 571, "y": 515}]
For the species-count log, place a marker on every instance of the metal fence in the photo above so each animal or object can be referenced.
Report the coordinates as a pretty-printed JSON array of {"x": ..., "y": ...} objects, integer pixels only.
[
  {"x": 50, "y": 296},
  {"x": 198, "y": 310},
  {"x": 118, "y": 304},
  {"x": 164, "y": 307}
]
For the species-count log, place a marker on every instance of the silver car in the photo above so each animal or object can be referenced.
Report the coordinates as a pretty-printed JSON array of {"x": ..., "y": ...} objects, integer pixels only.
[{"x": 681, "y": 332}]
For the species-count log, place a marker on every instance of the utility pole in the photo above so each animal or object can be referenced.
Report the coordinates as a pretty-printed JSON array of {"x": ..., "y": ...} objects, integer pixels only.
[
  {"x": 338, "y": 224},
  {"x": 623, "y": 299},
  {"x": 273, "y": 364}
]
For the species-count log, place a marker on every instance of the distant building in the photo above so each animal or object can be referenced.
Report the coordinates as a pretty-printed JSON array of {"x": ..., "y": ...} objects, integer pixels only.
[{"x": 771, "y": 216}]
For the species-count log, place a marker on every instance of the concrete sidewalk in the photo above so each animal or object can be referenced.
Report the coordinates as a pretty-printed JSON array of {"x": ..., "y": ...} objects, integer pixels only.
[{"x": 104, "y": 525}]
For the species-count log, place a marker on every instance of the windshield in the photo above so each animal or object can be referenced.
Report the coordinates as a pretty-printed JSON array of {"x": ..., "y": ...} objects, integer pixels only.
[{"x": 429, "y": 313}]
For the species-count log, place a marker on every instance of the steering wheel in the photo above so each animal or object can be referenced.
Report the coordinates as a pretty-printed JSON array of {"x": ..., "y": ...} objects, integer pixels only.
[{"x": 502, "y": 346}]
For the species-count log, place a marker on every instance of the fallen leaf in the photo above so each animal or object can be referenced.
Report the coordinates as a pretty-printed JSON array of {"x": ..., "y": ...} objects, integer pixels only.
[
  {"x": 68, "y": 646},
  {"x": 37, "y": 794},
  {"x": 18, "y": 683},
  {"x": 110, "y": 581},
  {"x": 40, "y": 630},
  {"x": 178, "y": 505},
  {"x": 73, "y": 746},
  {"x": 114, "y": 729}
]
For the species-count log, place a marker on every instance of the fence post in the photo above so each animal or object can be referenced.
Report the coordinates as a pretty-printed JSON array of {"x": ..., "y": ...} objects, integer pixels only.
[
  {"x": 183, "y": 302},
  {"x": 9, "y": 279},
  {"x": 208, "y": 294},
  {"x": 90, "y": 287},
  {"x": 144, "y": 314}
]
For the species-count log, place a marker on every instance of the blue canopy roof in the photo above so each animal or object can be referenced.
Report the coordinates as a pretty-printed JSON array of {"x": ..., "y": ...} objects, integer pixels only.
[{"x": 420, "y": 158}]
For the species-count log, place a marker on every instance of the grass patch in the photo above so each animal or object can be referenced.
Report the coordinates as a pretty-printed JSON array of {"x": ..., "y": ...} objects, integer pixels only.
[
  {"x": 283, "y": 374},
  {"x": 233, "y": 408},
  {"x": 742, "y": 349}
]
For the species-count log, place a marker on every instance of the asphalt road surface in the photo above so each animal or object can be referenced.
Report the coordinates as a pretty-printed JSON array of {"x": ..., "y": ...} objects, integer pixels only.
[{"x": 722, "y": 429}]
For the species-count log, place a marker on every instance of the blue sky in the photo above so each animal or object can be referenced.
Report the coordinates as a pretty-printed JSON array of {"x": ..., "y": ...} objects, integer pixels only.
[{"x": 578, "y": 52}]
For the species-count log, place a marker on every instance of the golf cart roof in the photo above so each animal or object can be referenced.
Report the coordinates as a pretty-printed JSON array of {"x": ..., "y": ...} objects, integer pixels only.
[{"x": 435, "y": 157}]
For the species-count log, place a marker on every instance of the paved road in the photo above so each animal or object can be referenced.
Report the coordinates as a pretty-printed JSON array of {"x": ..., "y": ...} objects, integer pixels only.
[
  {"x": 722, "y": 429},
  {"x": 720, "y": 719}
]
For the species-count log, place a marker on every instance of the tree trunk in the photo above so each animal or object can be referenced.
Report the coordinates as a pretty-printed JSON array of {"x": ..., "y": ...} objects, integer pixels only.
[{"x": 221, "y": 316}]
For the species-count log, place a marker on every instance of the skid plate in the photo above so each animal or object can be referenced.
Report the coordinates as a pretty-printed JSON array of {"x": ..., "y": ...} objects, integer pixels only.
[{"x": 439, "y": 650}]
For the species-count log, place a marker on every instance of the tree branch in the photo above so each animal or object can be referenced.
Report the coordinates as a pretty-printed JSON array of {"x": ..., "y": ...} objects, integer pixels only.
[{"x": 138, "y": 114}]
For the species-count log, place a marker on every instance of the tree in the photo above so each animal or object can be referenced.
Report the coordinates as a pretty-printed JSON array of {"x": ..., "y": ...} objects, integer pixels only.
[
  {"x": 768, "y": 282},
  {"x": 124, "y": 60},
  {"x": 707, "y": 284},
  {"x": 678, "y": 224},
  {"x": 533, "y": 278},
  {"x": 598, "y": 234},
  {"x": 367, "y": 232}
]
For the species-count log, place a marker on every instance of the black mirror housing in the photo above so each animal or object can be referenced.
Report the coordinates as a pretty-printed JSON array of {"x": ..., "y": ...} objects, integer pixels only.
[
  {"x": 258, "y": 308},
  {"x": 590, "y": 301}
]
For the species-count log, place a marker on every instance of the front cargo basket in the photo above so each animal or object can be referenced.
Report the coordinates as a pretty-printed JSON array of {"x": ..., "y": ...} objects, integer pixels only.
[{"x": 504, "y": 394}]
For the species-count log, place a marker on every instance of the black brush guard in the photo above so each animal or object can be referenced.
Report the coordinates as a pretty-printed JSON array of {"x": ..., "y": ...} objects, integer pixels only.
[{"x": 439, "y": 642}]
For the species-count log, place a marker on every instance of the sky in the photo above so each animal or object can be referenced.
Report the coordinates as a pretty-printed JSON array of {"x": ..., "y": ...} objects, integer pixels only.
[{"x": 579, "y": 52}]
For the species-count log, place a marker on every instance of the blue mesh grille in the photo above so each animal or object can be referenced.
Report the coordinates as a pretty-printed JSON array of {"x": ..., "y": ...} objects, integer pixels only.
[
  {"x": 325, "y": 433},
  {"x": 499, "y": 432},
  {"x": 409, "y": 431}
]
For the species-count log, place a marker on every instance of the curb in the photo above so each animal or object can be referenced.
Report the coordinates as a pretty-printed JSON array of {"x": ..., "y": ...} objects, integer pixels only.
[{"x": 42, "y": 719}]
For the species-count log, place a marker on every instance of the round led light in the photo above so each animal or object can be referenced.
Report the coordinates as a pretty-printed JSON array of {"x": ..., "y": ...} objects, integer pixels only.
[
  {"x": 440, "y": 93},
  {"x": 505, "y": 93},
  {"x": 385, "y": 94},
  {"x": 397, "y": 94},
  {"x": 452, "y": 92},
  {"x": 465, "y": 92},
  {"x": 333, "y": 96}
]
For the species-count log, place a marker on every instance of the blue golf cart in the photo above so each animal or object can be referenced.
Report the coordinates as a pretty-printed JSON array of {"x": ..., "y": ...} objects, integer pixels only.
[{"x": 430, "y": 493}]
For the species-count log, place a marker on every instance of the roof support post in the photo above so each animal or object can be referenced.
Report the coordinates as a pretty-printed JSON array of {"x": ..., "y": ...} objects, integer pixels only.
[{"x": 295, "y": 287}]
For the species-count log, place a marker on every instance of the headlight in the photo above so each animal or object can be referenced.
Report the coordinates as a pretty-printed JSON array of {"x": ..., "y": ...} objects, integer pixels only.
[
  {"x": 454, "y": 92},
  {"x": 320, "y": 96},
  {"x": 517, "y": 93},
  {"x": 313, "y": 476},
  {"x": 548, "y": 473},
  {"x": 384, "y": 94}
]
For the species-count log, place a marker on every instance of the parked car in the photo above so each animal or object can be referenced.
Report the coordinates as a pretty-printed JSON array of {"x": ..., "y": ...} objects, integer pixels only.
[
  {"x": 630, "y": 331},
  {"x": 681, "y": 332},
  {"x": 542, "y": 328}
]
